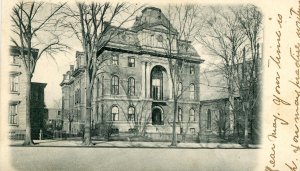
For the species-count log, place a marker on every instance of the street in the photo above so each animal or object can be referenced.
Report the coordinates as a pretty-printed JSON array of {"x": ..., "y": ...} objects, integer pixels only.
[{"x": 152, "y": 159}]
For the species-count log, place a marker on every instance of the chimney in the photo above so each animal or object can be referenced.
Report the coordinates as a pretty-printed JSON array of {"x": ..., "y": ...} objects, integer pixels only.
[
  {"x": 71, "y": 67},
  {"x": 68, "y": 75}
]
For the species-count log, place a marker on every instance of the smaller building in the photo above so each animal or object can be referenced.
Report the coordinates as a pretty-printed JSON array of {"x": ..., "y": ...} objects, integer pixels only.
[
  {"x": 217, "y": 121},
  {"x": 17, "y": 99},
  {"x": 38, "y": 110},
  {"x": 54, "y": 119}
]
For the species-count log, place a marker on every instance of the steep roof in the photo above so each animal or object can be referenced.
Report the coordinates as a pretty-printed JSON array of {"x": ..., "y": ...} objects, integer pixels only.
[
  {"x": 154, "y": 20},
  {"x": 151, "y": 17},
  {"x": 14, "y": 50}
]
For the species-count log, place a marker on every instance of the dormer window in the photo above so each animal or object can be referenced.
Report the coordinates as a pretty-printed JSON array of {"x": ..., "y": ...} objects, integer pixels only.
[
  {"x": 160, "y": 38},
  {"x": 123, "y": 36}
]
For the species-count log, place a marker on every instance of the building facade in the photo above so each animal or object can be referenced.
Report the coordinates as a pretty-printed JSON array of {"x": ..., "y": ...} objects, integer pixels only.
[
  {"x": 54, "y": 118},
  {"x": 133, "y": 88},
  {"x": 17, "y": 101}
]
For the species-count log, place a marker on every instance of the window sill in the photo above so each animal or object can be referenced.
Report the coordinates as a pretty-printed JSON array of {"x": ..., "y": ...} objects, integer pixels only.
[
  {"x": 13, "y": 64},
  {"x": 13, "y": 125},
  {"x": 14, "y": 92}
]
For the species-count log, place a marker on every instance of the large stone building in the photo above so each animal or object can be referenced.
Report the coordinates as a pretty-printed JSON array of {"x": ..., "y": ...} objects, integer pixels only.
[
  {"x": 133, "y": 89},
  {"x": 17, "y": 101}
]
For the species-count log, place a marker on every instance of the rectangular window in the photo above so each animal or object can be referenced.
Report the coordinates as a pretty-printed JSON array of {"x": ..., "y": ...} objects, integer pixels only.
[
  {"x": 192, "y": 70},
  {"x": 192, "y": 130},
  {"x": 115, "y": 60},
  {"x": 192, "y": 92},
  {"x": 115, "y": 85},
  {"x": 131, "y": 62},
  {"x": 131, "y": 86},
  {"x": 131, "y": 112},
  {"x": 179, "y": 114},
  {"x": 14, "y": 83},
  {"x": 192, "y": 115},
  {"x": 130, "y": 117},
  {"x": 15, "y": 60},
  {"x": 180, "y": 65},
  {"x": 208, "y": 124},
  {"x": 13, "y": 114}
]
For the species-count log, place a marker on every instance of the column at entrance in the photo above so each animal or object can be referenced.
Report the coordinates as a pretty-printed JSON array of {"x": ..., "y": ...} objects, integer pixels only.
[
  {"x": 148, "y": 77},
  {"x": 143, "y": 84}
]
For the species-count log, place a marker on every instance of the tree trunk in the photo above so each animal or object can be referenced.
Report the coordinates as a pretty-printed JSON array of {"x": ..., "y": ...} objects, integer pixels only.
[
  {"x": 70, "y": 126},
  {"x": 199, "y": 133},
  {"x": 28, "y": 140},
  {"x": 232, "y": 117},
  {"x": 87, "y": 129},
  {"x": 174, "y": 134},
  {"x": 246, "y": 127}
]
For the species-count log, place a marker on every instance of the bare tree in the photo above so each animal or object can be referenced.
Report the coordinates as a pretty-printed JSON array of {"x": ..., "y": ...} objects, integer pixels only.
[
  {"x": 138, "y": 122},
  {"x": 92, "y": 25},
  {"x": 29, "y": 30},
  {"x": 221, "y": 35},
  {"x": 250, "y": 19},
  {"x": 221, "y": 120},
  {"x": 176, "y": 44},
  {"x": 231, "y": 34},
  {"x": 70, "y": 116}
]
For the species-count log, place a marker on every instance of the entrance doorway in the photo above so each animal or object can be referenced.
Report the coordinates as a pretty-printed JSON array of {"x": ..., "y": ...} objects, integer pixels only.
[{"x": 157, "y": 117}]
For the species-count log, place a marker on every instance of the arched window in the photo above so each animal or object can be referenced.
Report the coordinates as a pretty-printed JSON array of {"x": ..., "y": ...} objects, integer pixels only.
[
  {"x": 179, "y": 88},
  {"x": 180, "y": 115},
  {"x": 192, "y": 115},
  {"x": 131, "y": 86},
  {"x": 115, "y": 85},
  {"x": 131, "y": 113},
  {"x": 208, "y": 124},
  {"x": 192, "y": 92},
  {"x": 157, "y": 83},
  {"x": 115, "y": 113}
]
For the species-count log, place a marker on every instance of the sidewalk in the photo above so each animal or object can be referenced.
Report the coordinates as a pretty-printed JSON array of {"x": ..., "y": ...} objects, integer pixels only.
[{"x": 130, "y": 144}]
